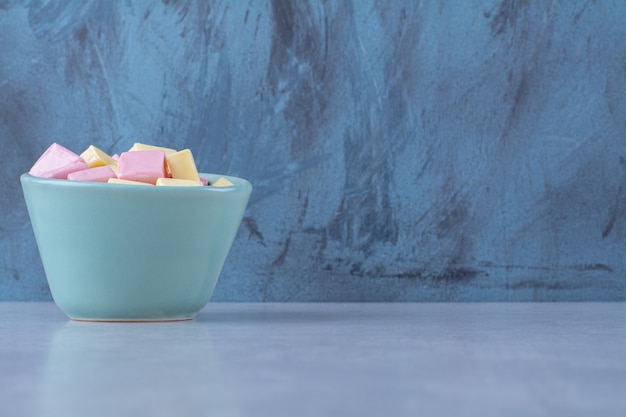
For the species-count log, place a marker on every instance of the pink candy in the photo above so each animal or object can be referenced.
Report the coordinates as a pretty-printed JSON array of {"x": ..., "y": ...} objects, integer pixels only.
[
  {"x": 97, "y": 174},
  {"x": 144, "y": 166},
  {"x": 57, "y": 162}
]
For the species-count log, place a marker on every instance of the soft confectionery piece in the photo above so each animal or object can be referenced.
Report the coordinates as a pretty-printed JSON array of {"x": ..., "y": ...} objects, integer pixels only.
[
  {"x": 96, "y": 174},
  {"x": 96, "y": 158},
  {"x": 222, "y": 182},
  {"x": 57, "y": 162},
  {"x": 182, "y": 165},
  {"x": 144, "y": 166},
  {"x": 178, "y": 182},
  {"x": 116, "y": 157},
  {"x": 143, "y": 147},
  {"x": 127, "y": 182}
]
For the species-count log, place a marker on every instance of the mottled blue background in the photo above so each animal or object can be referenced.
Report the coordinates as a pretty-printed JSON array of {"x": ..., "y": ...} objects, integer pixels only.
[{"x": 400, "y": 150}]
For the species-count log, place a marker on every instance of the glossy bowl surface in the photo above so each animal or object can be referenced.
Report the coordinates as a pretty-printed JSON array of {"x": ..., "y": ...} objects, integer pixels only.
[{"x": 127, "y": 252}]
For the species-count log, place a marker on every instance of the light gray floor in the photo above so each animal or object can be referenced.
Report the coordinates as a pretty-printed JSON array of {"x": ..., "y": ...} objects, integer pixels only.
[{"x": 526, "y": 359}]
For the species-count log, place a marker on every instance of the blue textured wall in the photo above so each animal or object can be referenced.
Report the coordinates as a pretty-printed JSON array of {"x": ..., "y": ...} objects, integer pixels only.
[{"x": 403, "y": 150}]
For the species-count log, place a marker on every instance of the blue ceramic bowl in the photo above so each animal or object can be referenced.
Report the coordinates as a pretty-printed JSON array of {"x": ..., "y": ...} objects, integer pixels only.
[{"x": 126, "y": 252}]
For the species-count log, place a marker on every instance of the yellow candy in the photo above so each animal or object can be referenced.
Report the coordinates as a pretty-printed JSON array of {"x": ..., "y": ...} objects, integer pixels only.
[
  {"x": 94, "y": 157},
  {"x": 144, "y": 147},
  {"x": 182, "y": 165},
  {"x": 178, "y": 182},
  {"x": 127, "y": 182},
  {"x": 222, "y": 182}
]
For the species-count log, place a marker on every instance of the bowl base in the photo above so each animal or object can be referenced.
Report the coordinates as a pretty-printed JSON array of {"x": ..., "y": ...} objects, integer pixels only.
[{"x": 120, "y": 320}]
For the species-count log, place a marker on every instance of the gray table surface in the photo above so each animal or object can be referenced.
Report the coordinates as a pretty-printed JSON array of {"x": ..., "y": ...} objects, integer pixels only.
[{"x": 247, "y": 359}]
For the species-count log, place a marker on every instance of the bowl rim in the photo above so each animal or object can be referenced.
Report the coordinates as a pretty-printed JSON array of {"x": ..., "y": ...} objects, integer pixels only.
[{"x": 239, "y": 184}]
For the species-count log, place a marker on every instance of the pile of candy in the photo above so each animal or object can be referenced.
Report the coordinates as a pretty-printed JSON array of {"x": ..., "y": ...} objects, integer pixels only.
[{"x": 141, "y": 165}]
